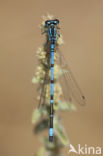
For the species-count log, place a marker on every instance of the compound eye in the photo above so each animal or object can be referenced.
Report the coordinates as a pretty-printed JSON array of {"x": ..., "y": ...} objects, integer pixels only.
[
  {"x": 56, "y": 21},
  {"x": 47, "y": 23}
]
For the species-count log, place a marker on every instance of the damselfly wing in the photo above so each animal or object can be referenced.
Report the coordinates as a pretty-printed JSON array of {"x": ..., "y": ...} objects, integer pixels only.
[{"x": 70, "y": 87}]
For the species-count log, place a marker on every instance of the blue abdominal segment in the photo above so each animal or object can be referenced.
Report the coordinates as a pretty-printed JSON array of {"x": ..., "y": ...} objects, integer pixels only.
[{"x": 50, "y": 131}]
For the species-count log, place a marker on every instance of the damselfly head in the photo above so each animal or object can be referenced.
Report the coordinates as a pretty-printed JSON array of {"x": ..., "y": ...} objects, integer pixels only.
[{"x": 49, "y": 22}]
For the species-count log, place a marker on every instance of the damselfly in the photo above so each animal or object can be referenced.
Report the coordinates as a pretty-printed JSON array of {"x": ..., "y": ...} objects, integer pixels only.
[{"x": 69, "y": 85}]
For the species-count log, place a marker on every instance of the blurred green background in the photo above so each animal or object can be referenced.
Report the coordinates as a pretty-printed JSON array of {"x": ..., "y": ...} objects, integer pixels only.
[{"x": 81, "y": 24}]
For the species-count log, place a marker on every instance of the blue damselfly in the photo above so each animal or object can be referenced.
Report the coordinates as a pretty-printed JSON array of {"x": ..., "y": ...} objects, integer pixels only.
[{"x": 70, "y": 87}]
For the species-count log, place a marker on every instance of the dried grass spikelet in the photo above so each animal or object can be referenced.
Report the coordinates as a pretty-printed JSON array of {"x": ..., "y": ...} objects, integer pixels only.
[
  {"x": 39, "y": 75},
  {"x": 46, "y": 17},
  {"x": 40, "y": 71},
  {"x": 57, "y": 91},
  {"x": 60, "y": 131},
  {"x": 41, "y": 54},
  {"x": 60, "y": 40},
  {"x": 57, "y": 71}
]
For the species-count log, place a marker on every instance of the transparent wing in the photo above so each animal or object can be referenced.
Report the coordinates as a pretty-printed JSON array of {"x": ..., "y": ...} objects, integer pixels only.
[
  {"x": 43, "y": 86},
  {"x": 70, "y": 87}
]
